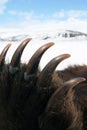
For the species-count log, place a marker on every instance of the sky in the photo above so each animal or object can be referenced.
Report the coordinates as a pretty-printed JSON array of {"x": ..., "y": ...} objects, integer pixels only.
[{"x": 47, "y": 13}]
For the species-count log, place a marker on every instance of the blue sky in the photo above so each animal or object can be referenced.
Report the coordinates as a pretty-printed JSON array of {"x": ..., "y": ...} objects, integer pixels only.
[{"x": 21, "y": 12}]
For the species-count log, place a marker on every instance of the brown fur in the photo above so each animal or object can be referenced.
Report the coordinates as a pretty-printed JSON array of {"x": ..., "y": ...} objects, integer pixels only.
[
  {"x": 24, "y": 103},
  {"x": 73, "y": 72}
]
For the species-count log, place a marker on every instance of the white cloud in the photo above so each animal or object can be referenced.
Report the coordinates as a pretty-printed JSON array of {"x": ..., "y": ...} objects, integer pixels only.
[
  {"x": 60, "y": 14},
  {"x": 2, "y": 5},
  {"x": 12, "y": 12},
  {"x": 25, "y": 15},
  {"x": 72, "y": 19},
  {"x": 71, "y": 14},
  {"x": 77, "y": 14}
]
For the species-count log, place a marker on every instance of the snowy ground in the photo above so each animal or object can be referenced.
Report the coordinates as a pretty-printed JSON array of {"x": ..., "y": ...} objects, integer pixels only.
[{"x": 77, "y": 48}]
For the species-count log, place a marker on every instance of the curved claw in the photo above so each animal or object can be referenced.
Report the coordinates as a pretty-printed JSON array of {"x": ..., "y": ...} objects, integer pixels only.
[
  {"x": 46, "y": 74},
  {"x": 73, "y": 82},
  {"x": 17, "y": 56},
  {"x": 3, "y": 54},
  {"x": 35, "y": 59},
  {"x": 69, "y": 85}
]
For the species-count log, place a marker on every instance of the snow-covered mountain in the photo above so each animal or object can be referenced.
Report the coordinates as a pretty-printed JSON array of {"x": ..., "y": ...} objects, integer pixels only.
[
  {"x": 43, "y": 36},
  {"x": 72, "y": 34},
  {"x": 14, "y": 38}
]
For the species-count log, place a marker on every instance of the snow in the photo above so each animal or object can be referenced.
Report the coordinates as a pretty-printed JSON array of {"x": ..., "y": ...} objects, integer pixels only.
[{"x": 76, "y": 47}]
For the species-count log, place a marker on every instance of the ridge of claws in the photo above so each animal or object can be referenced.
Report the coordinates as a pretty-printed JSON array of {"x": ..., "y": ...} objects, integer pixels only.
[{"x": 40, "y": 96}]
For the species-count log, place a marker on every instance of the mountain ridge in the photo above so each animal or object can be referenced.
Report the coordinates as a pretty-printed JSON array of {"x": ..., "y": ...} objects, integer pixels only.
[{"x": 71, "y": 34}]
